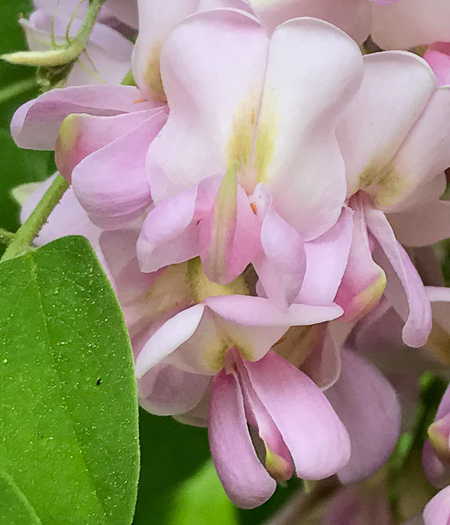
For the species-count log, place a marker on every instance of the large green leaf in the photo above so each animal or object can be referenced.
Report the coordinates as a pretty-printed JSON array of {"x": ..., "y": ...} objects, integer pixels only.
[
  {"x": 68, "y": 415},
  {"x": 14, "y": 506}
]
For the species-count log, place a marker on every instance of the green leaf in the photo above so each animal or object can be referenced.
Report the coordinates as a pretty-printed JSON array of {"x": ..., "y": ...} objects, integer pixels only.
[
  {"x": 68, "y": 417},
  {"x": 202, "y": 499},
  {"x": 14, "y": 506}
]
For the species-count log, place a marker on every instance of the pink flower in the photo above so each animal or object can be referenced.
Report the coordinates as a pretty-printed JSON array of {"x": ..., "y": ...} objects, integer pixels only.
[
  {"x": 219, "y": 318},
  {"x": 186, "y": 331},
  {"x": 251, "y": 182},
  {"x": 292, "y": 421},
  {"x": 101, "y": 135},
  {"x": 369, "y": 407},
  {"x": 378, "y": 337},
  {"x": 395, "y": 138},
  {"x": 364, "y": 400},
  {"x": 105, "y": 130},
  {"x": 437, "y": 512}
]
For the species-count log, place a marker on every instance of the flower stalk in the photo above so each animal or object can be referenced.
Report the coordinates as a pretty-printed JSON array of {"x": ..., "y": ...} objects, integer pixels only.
[{"x": 31, "y": 227}]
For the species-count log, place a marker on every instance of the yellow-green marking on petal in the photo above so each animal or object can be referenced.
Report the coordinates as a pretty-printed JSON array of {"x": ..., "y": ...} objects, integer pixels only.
[
  {"x": 252, "y": 141},
  {"x": 152, "y": 73},
  {"x": 223, "y": 224},
  {"x": 367, "y": 299}
]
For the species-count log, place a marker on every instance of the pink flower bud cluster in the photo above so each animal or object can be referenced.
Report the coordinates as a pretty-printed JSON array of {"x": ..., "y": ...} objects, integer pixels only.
[{"x": 262, "y": 200}]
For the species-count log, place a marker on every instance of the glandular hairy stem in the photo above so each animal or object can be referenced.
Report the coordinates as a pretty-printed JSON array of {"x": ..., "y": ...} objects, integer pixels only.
[
  {"x": 64, "y": 54},
  {"x": 32, "y": 226}
]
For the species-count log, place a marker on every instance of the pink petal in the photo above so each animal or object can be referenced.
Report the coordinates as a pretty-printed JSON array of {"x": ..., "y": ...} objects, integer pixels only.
[
  {"x": 423, "y": 194},
  {"x": 229, "y": 233},
  {"x": 111, "y": 183},
  {"x": 64, "y": 9},
  {"x": 381, "y": 115},
  {"x": 205, "y": 108},
  {"x": 170, "y": 233},
  {"x": 127, "y": 12},
  {"x": 364, "y": 281},
  {"x": 167, "y": 235},
  {"x": 131, "y": 285},
  {"x": 205, "y": 350},
  {"x": 438, "y": 56},
  {"x": 156, "y": 20},
  {"x": 282, "y": 263},
  {"x": 409, "y": 23},
  {"x": 418, "y": 323},
  {"x": 258, "y": 311},
  {"x": 251, "y": 324},
  {"x": 244, "y": 478},
  {"x": 437, "y": 511},
  {"x": 424, "y": 154},
  {"x": 369, "y": 408},
  {"x": 326, "y": 261},
  {"x": 35, "y": 125},
  {"x": 198, "y": 416},
  {"x": 323, "y": 365},
  {"x": 422, "y": 225},
  {"x": 168, "y": 338},
  {"x": 82, "y": 134},
  {"x": 315, "y": 436},
  {"x": 277, "y": 457},
  {"x": 378, "y": 337},
  {"x": 303, "y": 166},
  {"x": 352, "y": 17},
  {"x": 167, "y": 391}
]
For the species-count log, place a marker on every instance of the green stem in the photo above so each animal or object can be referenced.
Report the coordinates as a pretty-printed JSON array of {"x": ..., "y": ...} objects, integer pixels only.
[
  {"x": 32, "y": 226},
  {"x": 65, "y": 54},
  {"x": 17, "y": 89},
  {"x": 5, "y": 236}
]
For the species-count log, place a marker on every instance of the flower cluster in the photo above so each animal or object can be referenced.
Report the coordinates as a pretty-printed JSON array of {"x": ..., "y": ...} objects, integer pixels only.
[{"x": 263, "y": 197}]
